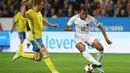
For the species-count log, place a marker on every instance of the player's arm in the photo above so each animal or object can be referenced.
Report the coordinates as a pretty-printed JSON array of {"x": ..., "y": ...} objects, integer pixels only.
[
  {"x": 70, "y": 22},
  {"x": 104, "y": 33},
  {"x": 23, "y": 8},
  {"x": 49, "y": 24},
  {"x": 22, "y": 11},
  {"x": 67, "y": 28},
  {"x": 102, "y": 30},
  {"x": 14, "y": 23}
]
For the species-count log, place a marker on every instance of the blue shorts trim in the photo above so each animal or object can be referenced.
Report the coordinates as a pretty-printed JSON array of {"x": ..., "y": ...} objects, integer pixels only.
[
  {"x": 37, "y": 44},
  {"x": 22, "y": 35}
]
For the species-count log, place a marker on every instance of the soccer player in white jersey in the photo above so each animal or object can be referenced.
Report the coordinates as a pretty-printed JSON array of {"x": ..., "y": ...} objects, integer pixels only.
[{"x": 83, "y": 36}]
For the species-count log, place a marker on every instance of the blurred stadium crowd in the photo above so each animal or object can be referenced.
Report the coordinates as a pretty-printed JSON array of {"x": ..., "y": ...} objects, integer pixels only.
[{"x": 67, "y": 8}]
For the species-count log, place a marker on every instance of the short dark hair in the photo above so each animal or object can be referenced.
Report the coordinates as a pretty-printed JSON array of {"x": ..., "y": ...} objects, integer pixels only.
[{"x": 83, "y": 8}]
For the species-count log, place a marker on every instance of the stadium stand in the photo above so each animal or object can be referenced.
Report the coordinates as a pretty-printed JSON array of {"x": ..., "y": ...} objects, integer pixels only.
[{"x": 67, "y": 8}]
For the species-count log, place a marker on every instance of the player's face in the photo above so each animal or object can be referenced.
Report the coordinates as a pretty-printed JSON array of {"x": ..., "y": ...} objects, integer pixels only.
[{"x": 83, "y": 14}]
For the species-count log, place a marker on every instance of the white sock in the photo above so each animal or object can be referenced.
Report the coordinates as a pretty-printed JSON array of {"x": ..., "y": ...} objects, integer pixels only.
[
  {"x": 99, "y": 56},
  {"x": 89, "y": 57},
  {"x": 100, "y": 69}
]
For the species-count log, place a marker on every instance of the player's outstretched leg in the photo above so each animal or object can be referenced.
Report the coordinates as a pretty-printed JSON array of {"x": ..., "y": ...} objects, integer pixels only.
[
  {"x": 41, "y": 50},
  {"x": 90, "y": 58},
  {"x": 99, "y": 56},
  {"x": 16, "y": 56},
  {"x": 86, "y": 54},
  {"x": 47, "y": 60},
  {"x": 96, "y": 44},
  {"x": 23, "y": 55}
]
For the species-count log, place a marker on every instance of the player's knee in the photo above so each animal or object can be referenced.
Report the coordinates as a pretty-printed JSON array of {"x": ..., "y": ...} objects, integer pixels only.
[
  {"x": 80, "y": 47},
  {"x": 22, "y": 40},
  {"x": 81, "y": 50},
  {"x": 44, "y": 51},
  {"x": 38, "y": 59},
  {"x": 100, "y": 48}
]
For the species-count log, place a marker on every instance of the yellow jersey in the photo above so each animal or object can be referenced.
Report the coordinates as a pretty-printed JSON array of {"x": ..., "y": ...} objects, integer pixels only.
[
  {"x": 36, "y": 24},
  {"x": 21, "y": 25}
]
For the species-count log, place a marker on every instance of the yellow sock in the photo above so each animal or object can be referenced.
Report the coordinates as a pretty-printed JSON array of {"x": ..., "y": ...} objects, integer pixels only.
[
  {"x": 49, "y": 64},
  {"x": 27, "y": 56},
  {"x": 21, "y": 47}
]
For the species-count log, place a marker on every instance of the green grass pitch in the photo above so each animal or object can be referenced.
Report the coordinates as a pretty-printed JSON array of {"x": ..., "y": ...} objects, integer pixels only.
[{"x": 65, "y": 63}]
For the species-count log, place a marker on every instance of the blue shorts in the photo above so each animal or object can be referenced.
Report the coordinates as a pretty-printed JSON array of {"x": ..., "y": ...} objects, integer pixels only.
[
  {"x": 37, "y": 44},
  {"x": 22, "y": 35}
]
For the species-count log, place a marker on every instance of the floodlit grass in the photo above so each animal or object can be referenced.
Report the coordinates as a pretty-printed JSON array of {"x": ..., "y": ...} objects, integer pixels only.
[{"x": 65, "y": 63}]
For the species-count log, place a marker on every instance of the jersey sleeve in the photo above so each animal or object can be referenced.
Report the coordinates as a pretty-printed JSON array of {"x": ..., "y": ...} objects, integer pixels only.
[
  {"x": 42, "y": 16},
  {"x": 28, "y": 13},
  {"x": 94, "y": 21},
  {"x": 71, "y": 21}
]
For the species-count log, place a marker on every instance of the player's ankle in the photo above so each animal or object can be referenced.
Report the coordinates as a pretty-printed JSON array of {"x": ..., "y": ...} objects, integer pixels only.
[
  {"x": 55, "y": 71},
  {"x": 96, "y": 66}
]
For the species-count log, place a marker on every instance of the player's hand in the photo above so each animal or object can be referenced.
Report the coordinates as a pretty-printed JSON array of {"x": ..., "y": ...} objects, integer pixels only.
[
  {"x": 55, "y": 25},
  {"x": 70, "y": 29},
  {"x": 108, "y": 41},
  {"x": 24, "y": 2}
]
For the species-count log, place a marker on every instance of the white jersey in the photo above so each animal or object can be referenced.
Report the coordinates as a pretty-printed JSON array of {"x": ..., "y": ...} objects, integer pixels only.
[{"x": 82, "y": 26}]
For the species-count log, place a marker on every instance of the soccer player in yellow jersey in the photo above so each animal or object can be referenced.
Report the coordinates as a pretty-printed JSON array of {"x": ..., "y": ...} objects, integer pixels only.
[
  {"x": 21, "y": 23},
  {"x": 37, "y": 22}
]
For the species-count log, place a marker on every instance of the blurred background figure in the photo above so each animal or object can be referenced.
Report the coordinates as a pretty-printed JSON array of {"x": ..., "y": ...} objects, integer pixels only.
[
  {"x": 68, "y": 8},
  {"x": 1, "y": 12},
  {"x": 123, "y": 13},
  {"x": 1, "y": 29}
]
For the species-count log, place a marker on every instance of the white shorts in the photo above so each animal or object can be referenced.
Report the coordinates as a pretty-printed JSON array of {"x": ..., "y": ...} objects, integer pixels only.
[{"x": 85, "y": 39}]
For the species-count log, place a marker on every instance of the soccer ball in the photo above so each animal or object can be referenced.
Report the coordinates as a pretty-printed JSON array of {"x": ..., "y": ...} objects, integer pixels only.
[{"x": 88, "y": 69}]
